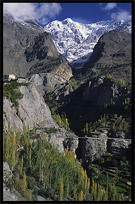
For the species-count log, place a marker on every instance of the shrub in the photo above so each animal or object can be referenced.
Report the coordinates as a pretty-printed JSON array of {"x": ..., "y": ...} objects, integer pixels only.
[
  {"x": 109, "y": 76},
  {"x": 74, "y": 83},
  {"x": 10, "y": 90}
]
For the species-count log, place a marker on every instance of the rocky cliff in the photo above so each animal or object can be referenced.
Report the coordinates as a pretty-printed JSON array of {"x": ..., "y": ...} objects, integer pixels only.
[
  {"x": 33, "y": 111},
  {"x": 29, "y": 50},
  {"x": 112, "y": 54},
  {"x": 102, "y": 90}
]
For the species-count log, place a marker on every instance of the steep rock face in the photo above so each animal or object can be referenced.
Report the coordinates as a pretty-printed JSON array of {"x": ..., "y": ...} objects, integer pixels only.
[
  {"x": 29, "y": 50},
  {"x": 64, "y": 139},
  {"x": 112, "y": 54},
  {"x": 31, "y": 109},
  {"x": 9, "y": 193},
  {"x": 102, "y": 91},
  {"x": 93, "y": 148},
  {"x": 118, "y": 147},
  {"x": 48, "y": 82}
]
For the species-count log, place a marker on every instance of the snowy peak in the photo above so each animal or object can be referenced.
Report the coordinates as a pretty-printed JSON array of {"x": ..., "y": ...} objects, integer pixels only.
[
  {"x": 67, "y": 21},
  {"x": 76, "y": 41}
]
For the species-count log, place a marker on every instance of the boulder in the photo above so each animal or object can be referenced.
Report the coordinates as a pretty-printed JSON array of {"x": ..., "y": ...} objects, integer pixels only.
[
  {"x": 118, "y": 147},
  {"x": 93, "y": 148}
]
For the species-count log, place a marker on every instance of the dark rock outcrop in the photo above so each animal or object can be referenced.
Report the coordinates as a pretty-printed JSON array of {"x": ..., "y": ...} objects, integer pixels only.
[
  {"x": 93, "y": 148},
  {"x": 112, "y": 54},
  {"x": 103, "y": 91},
  {"x": 118, "y": 147},
  {"x": 96, "y": 146}
]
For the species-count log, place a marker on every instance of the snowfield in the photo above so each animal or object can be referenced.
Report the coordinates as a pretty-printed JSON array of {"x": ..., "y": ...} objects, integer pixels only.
[{"x": 76, "y": 40}]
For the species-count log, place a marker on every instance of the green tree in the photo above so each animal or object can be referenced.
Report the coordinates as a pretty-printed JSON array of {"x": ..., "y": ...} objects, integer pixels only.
[{"x": 87, "y": 128}]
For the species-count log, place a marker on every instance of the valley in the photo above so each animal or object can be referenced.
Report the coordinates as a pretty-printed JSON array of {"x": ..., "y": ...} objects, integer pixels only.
[{"x": 67, "y": 134}]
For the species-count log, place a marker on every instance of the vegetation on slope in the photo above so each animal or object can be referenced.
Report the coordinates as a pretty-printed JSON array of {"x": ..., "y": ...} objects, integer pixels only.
[
  {"x": 41, "y": 170},
  {"x": 11, "y": 91}
]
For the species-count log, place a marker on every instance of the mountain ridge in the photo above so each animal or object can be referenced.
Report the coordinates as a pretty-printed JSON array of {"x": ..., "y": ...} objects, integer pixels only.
[
  {"x": 78, "y": 39},
  {"x": 29, "y": 50},
  {"x": 112, "y": 55}
]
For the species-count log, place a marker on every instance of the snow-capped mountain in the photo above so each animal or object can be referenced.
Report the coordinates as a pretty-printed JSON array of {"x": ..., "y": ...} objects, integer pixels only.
[{"x": 76, "y": 40}]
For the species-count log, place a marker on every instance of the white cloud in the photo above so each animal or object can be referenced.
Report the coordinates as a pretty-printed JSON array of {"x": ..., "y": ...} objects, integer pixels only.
[
  {"x": 108, "y": 6},
  {"x": 41, "y": 12},
  {"x": 81, "y": 20},
  {"x": 121, "y": 15}
]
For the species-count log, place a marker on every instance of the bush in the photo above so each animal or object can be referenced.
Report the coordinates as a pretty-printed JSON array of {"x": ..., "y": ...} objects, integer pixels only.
[
  {"x": 74, "y": 83},
  {"x": 31, "y": 182},
  {"x": 51, "y": 130},
  {"x": 10, "y": 90}
]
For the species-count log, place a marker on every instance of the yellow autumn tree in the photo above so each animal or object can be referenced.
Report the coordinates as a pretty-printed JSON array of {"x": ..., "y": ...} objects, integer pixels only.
[
  {"x": 80, "y": 197},
  {"x": 14, "y": 140},
  {"x": 82, "y": 173},
  {"x": 105, "y": 195},
  {"x": 67, "y": 123},
  {"x": 21, "y": 166},
  {"x": 59, "y": 120},
  {"x": 24, "y": 181},
  {"x": 44, "y": 122},
  {"x": 18, "y": 136},
  {"x": 99, "y": 194},
  {"x": 70, "y": 156},
  {"x": 67, "y": 186},
  {"x": 88, "y": 183},
  {"x": 95, "y": 191},
  {"x": 61, "y": 189},
  {"x": 13, "y": 152}
]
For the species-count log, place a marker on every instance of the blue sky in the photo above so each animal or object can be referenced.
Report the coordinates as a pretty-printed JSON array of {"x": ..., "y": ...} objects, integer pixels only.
[
  {"x": 44, "y": 13},
  {"x": 92, "y": 12}
]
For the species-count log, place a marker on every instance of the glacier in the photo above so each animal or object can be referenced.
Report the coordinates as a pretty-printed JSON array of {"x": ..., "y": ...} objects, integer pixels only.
[{"x": 76, "y": 41}]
